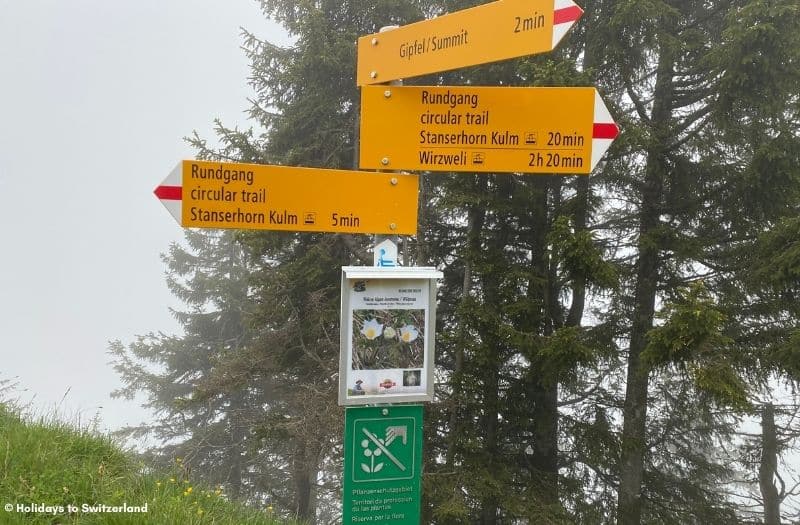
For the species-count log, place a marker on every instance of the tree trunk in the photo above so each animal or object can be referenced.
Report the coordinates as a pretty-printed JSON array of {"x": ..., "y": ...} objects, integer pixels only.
[
  {"x": 578, "y": 303},
  {"x": 542, "y": 392},
  {"x": 492, "y": 345},
  {"x": 544, "y": 460},
  {"x": 305, "y": 473},
  {"x": 490, "y": 502},
  {"x": 476, "y": 216},
  {"x": 236, "y": 448},
  {"x": 634, "y": 435},
  {"x": 769, "y": 467}
]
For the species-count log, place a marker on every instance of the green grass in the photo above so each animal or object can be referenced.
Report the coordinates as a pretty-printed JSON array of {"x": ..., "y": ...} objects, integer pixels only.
[{"x": 51, "y": 463}]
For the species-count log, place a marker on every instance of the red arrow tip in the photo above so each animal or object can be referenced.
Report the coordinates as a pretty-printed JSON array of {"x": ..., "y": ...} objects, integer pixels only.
[
  {"x": 169, "y": 193},
  {"x": 605, "y": 131},
  {"x": 567, "y": 14}
]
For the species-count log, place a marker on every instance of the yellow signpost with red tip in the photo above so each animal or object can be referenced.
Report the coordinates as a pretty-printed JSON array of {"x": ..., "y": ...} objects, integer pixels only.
[
  {"x": 261, "y": 197},
  {"x": 484, "y": 129},
  {"x": 486, "y": 33}
]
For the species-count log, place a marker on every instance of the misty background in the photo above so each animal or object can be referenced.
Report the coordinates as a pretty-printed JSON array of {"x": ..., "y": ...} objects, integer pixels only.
[{"x": 95, "y": 100}]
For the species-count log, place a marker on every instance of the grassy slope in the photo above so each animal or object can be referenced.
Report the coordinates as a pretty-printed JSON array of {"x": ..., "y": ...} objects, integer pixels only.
[{"x": 51, "y": 463}]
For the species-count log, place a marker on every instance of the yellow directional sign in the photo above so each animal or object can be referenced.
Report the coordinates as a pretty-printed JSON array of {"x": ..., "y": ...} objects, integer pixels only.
[
  {"x": 260, "y": 197},
  {"x": 487, "y": 33},
  {"x": 487, "y": 129}
]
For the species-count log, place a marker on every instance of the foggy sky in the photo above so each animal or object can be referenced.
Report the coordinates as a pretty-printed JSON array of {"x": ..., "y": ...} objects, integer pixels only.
[{"x": 95, "y": 99}]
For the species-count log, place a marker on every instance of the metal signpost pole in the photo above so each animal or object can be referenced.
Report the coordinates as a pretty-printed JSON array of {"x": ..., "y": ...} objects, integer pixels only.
[{"x": 385, "y": 254}]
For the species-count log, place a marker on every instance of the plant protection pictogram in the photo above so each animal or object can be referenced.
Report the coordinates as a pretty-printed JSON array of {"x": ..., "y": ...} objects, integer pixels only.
[{"x": 383, "y": 449}]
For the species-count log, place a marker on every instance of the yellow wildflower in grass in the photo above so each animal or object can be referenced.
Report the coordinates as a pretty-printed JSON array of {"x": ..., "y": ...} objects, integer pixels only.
[
  {"x": 158, "y": 483},
  {"x": 172, "y": 480}
]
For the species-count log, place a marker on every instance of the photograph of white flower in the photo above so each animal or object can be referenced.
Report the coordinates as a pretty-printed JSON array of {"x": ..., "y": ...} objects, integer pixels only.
[
  {"x": 371, "y": 329},
  {"x": 388, "y": 339}
]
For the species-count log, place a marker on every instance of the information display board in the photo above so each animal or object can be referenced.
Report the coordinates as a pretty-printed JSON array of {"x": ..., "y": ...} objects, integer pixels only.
[{"x": 388, "y": 320}]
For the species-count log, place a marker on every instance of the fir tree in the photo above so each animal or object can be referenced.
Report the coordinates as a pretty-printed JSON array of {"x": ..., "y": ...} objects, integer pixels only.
[{"x": 210, "y": 436}]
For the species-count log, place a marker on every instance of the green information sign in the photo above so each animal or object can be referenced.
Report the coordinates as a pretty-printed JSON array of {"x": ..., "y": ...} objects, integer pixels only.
[{"x": 382, "y": 464}]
